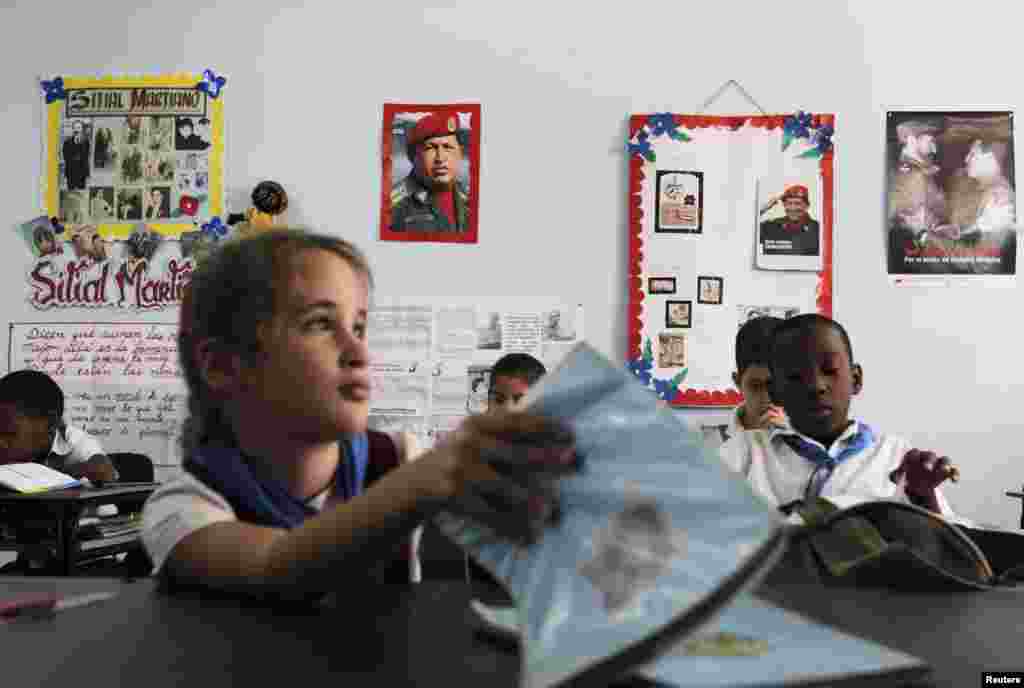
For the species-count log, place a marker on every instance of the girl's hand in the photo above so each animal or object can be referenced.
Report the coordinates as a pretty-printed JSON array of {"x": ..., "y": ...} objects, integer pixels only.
[{"x": 500, "y": 470}]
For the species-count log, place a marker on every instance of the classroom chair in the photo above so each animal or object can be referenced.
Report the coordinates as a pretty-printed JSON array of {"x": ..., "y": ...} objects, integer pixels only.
[
  {"x": 132, "y": 467},
  {"x": 440, "y": 558},
  {"x": 1020, "y": 496}
]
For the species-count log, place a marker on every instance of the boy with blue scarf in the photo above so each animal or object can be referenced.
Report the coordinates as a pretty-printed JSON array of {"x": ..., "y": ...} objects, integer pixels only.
[{"x": 823, "y": 452}]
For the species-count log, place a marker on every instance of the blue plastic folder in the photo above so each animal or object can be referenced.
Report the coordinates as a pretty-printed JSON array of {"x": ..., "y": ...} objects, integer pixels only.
[{"x": 656, "y": 539}]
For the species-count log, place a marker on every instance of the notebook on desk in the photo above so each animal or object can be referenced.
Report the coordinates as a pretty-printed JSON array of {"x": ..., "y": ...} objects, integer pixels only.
[{"x": 29, "y": 478}]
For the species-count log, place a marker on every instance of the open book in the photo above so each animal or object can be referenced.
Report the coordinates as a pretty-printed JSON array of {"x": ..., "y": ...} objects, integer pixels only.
[
  {"x": 901, "y": 545},
  {"x": 34, "y": 477},
  {"x": 656, "y": 539}
]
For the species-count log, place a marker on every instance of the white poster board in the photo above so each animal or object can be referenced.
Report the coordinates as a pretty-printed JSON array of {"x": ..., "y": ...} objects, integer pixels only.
[{"x": 432, "y": 356}]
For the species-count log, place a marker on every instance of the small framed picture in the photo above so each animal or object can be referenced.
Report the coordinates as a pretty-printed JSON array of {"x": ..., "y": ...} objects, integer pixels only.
[
  {"x": 679, "y": 202},
  {"x": 678, "y": 313},
  {"x": 661, "y": 285},
  {"x": 709, "y": 289},
  {"x": 671, "y": 350}
]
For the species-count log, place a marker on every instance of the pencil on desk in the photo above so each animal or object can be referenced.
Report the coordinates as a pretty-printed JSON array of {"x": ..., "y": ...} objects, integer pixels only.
[{"x": 43, "y": 605}]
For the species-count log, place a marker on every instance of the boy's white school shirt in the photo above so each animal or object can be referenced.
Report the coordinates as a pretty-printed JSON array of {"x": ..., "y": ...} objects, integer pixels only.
[
  {"x": 780, "y": 475},
  {"x": 184, "y": 505},
  {"x": 75, "y": 445}
]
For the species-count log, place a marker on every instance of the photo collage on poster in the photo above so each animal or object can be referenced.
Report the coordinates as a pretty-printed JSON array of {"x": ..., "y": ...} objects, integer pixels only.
[
  {"x": 132, "y": 190},
  {"x": 116, "y": 166},
  {"x": 730, "y": 219}
]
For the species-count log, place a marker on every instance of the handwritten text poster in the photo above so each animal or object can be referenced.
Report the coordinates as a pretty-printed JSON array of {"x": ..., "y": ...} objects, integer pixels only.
[{"x": 121, "y": 381}]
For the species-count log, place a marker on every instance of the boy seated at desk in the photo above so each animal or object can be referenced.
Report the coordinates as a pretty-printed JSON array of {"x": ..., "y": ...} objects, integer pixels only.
[
  {"x": 32, "y": 429},
  {"x": 753, "y": 376},
  {"x": 511, "y": 377},
  {"x": 823, "y": 451}
]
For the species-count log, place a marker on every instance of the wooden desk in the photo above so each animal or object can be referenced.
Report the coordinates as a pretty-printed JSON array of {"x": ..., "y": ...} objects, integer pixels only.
[
  {"x": 414, "y": 635},
  {"x": 66, "y": 508},
  {"x": 959, "y": 633},
  {"x": 424, "y": 635}
]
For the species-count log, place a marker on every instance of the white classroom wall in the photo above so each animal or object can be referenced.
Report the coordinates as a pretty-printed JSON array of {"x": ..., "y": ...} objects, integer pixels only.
[{"x": 556, "y": 82}]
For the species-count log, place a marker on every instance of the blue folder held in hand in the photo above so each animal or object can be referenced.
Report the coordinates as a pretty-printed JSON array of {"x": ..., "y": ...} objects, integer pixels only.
[{"x": 655, "y": 536}]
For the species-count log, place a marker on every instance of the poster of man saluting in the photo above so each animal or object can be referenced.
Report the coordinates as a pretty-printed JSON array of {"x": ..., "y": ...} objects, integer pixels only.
[
  {"x": 430, "y": 175},
  {"x": 788, "y": 237},
  {"x": 950, "y": 203}
]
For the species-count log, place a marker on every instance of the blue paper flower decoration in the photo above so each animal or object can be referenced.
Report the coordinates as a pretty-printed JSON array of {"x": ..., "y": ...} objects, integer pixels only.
[
  {"x": 821, "y": 142},
  {"x": 823, "y": 138},
  {"x": 54, "y": 89},
  {"x": 215, "y": 229},
  {"x": 211, "y": 83},
  {"x": 641, "y": 367},
  {"x": 661, "y": 124},
  {"x": 796, "y": 126},
  {"x": 664, "y": 389},
  {"x": 642, "y": 147},
  {"x": 665, "y": 123}
]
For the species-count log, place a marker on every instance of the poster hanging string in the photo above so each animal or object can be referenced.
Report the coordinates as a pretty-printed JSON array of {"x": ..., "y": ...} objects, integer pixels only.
[{"x": 725, "y": 87}]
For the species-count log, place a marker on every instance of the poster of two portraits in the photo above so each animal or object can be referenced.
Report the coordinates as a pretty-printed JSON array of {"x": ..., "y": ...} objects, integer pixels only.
[{"x": 951, "y": 207}]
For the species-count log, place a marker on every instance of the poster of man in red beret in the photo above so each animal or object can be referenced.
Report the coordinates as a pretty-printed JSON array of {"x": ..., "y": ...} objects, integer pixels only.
[
  {"x": 430, "y": 173},
  {"x": 788, "y": 235}
]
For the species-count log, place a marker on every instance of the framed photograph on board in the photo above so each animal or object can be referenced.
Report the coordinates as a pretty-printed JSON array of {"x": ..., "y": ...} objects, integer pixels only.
[
  {"x": 661, "y": 285},
  {"x": 430, "y": 176},
  {"x": 762, "y": 188},
  {"x": 679, "y": 201},
  {"x": 709, "y": 289},
  {"x": 678, "y": 313}
]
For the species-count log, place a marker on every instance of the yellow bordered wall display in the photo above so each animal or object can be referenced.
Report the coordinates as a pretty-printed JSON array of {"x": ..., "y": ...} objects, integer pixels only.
[{"x": 132, "y": 189}]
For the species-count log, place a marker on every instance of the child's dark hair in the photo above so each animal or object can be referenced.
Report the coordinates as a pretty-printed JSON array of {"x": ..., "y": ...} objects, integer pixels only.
[
  {"x": 805, "y": 324},
  {"x": 519, "y": 365},
  {"x": 754, "y": 343},
  {"x": 34, "y": 394},
  {"x": 270, "y": 197},
  {"x": 41, "y": 234}
]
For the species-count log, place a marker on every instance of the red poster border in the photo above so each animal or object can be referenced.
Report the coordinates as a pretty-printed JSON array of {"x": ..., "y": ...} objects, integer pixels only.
[
  {"x": 468, "y": 237},
  {"x": 701, "y": 398}
]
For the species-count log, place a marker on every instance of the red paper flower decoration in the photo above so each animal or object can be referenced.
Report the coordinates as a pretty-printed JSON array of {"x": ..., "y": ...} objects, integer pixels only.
[{"x": 189, "y": 205}]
